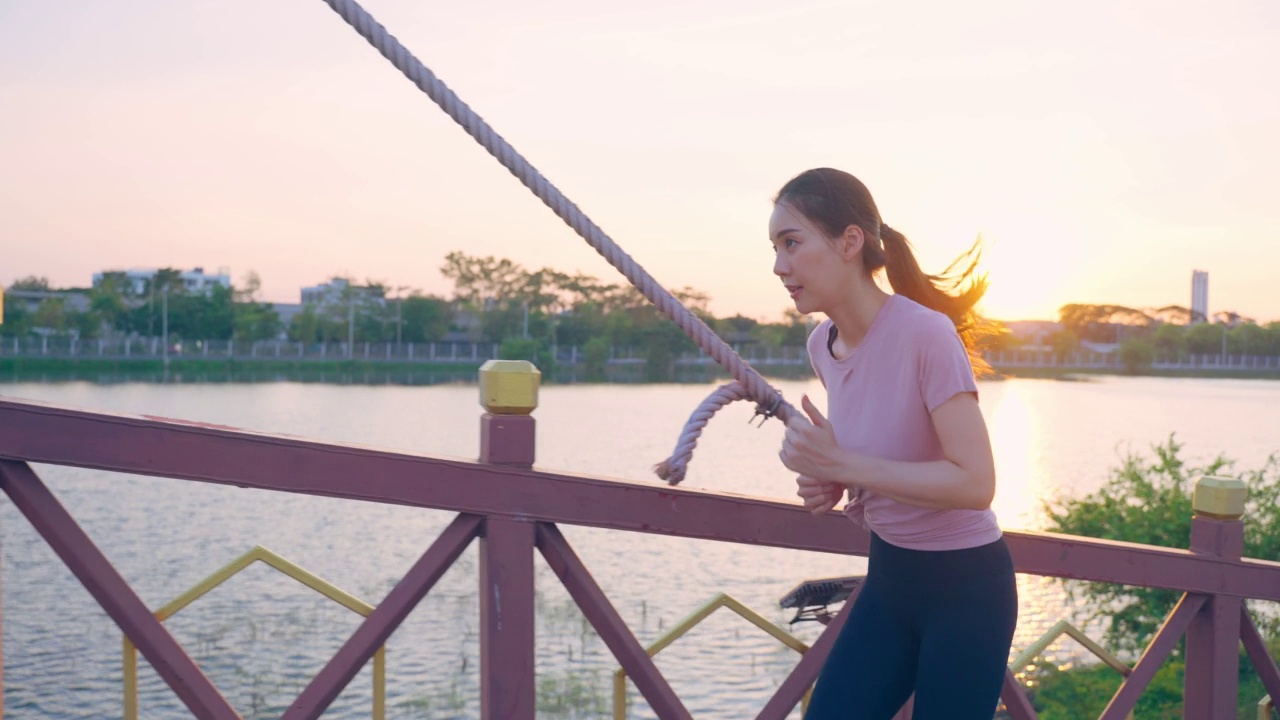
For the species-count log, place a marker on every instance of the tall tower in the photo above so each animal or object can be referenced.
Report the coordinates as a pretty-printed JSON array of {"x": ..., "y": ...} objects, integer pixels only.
[{"x": 1199, "y": 296}]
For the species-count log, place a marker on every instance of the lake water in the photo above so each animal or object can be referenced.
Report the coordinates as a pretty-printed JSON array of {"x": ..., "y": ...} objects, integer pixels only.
[{"x": 261, "y": 636}]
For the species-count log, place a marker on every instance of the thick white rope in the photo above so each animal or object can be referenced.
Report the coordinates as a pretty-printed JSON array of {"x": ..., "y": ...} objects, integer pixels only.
[
  {"x": 672, "y": 469},
  {"x": 755, "y": 386}
]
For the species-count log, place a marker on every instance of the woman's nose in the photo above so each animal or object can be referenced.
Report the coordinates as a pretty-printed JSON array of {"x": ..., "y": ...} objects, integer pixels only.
[{"x": 780, "y": 267}]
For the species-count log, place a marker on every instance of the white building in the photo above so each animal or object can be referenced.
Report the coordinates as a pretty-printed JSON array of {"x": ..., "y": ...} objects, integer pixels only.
[
  {"x": 194, "y": 281},
  {"x": 1199, "y": 296},
  {"x": 340, "y": 290}
]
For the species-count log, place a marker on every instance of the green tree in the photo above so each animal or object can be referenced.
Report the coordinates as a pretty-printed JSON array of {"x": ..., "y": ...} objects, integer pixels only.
[
  {"x": 1205, "y": 338},
  {"x": 1170, "y": 340},
  {"x": 31, "y": 283},
  {"x": 595, "y": 358},
  {"x": 479, "y": 282},
  {"x": 1137, "y": 353},
  {"x": 251, "y": 319},
  {"x": 1172, "y": 315},
  {"x": 51, "y": 314},
  {"x": 17, "y": 320},
  {"x": 107, "y": 299},
  {"x": 1064, "y": 342},
  {"x": 736, "y": 325},
  {"x": 1271, "y": 341},
  {"x": 305, "y": 326},
  {"x": 357, "y": 312},
  {"x": 1247, "y": 338},
  {"x": 426, "y": 318},
  {"x": 1149, "y": 501},
  {"x": 1104, "y": 323},
  {"x": 148, "y": 317}
]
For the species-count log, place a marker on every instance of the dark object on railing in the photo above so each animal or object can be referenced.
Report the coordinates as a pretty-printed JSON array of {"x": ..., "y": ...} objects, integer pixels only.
[{"x": 812, "y": 598}]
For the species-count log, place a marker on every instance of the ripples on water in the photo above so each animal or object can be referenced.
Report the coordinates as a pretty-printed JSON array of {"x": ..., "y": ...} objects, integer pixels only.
[{"x": 261, "y": 636}]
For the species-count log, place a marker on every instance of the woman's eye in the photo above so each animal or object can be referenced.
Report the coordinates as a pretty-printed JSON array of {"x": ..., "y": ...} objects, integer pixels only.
[{"x": 790, "y": 242}]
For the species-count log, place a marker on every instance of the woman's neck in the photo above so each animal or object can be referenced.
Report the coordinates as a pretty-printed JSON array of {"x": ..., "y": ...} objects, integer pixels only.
[{"x": 854, "y": 316}]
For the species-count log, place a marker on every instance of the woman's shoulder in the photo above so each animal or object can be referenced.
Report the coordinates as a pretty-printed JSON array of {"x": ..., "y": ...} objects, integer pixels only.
[{"x": 919, "y": 322}]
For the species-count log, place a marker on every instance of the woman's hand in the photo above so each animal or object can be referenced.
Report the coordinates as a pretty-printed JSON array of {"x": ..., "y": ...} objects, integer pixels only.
[
  {"x": 820, "y": 496},
  {"x": 810, "y": 447}
]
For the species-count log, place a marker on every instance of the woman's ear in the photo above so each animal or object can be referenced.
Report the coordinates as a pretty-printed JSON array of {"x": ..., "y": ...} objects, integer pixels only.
[{"x": 851, "y": 242}]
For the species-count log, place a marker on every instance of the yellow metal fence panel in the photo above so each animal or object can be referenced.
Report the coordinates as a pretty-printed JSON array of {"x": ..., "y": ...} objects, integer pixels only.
[{"x": 226, "y": 572}]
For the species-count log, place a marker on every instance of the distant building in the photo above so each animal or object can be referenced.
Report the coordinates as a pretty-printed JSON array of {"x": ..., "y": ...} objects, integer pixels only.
[
  {"x": 194, "y": 281},
  {"x": 30, "y": 300},
  {"x": 340, "y": 290},
  {"x": 286, "y": 312},
  {"x": 1199, "y": 296}
]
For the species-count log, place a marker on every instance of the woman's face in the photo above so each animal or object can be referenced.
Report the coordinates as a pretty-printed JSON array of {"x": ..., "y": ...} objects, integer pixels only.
[{"x": 814, "y": 268}]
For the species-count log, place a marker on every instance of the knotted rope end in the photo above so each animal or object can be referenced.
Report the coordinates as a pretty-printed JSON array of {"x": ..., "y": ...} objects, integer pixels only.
[{"x": 670, "y": 471}]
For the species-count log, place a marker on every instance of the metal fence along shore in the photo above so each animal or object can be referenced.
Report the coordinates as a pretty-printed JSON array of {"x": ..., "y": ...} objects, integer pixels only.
[{"x": 476, "y": 353}]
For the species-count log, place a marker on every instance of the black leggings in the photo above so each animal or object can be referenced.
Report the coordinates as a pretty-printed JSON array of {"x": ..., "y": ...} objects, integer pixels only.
[{"x": 937, "y": 624}]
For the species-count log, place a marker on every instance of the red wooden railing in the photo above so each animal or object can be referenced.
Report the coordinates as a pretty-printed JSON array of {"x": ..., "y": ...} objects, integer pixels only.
[{"x": 513, "y": 509}]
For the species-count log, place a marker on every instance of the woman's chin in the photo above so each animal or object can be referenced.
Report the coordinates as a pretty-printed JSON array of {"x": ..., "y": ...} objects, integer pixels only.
[{"x": 803, "y": 305}]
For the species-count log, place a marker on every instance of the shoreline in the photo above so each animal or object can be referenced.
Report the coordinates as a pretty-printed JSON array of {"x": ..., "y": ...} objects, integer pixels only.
[
  {"x": 24, "y": 369},
  {"x": 1088, "y": 374}
]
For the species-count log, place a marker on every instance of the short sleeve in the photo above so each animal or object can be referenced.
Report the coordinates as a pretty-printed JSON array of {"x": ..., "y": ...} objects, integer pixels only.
[
  {"x": 817, "y": 348},
  {"x": 944, "y": 367}
]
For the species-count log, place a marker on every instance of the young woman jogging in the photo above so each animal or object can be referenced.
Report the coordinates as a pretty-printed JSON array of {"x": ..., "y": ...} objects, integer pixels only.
[{"x": 904, "y": 440}]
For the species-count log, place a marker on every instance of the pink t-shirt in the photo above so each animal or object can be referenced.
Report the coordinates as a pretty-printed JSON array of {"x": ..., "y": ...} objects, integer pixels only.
[{"x": 879, "y": 400}]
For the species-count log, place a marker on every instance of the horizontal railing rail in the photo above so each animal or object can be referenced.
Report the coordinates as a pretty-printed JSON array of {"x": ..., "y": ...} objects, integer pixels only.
[{"x": 35, "y": 432}]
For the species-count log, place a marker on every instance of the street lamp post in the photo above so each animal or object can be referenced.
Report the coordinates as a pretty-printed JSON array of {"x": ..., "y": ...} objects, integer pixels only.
[
  {"x": 399, "y": 316},
  {"x": 164, "y": 331},
  {"x": 351, "y": 326}
]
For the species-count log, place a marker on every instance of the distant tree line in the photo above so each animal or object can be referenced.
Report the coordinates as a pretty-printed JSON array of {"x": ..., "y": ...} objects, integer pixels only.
[
  {"x": 113, "y": 309},
  {"x": 531, "y": 311},
  {"x": 494, "y": 300},
  {"x": 1142, "y": 335}
]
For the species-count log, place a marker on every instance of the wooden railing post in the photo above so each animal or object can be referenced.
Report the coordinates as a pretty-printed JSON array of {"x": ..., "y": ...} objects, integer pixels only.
[
  {"x": 509, "y": 393},
  {"x": 1213, "y": 638}
]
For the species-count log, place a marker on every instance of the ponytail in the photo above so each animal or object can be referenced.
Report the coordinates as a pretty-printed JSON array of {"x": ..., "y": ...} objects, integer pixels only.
[{"x": 942, "y": 292}]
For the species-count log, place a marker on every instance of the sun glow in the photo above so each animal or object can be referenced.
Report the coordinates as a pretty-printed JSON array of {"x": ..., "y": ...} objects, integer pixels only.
[{"x": 1015, "y": 433}]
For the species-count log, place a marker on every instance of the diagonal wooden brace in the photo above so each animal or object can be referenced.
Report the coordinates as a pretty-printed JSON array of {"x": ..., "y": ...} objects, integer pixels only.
[
  {"x": 1153, "y": 657},
  {"x": 612, "y": 628},
  {"x": 121, "y": 603},
  {"x": 383, "y": 621}
]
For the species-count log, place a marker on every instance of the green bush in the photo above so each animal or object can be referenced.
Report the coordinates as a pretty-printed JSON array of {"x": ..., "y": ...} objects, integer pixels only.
[
  {"x": 1148, "y": 500},
  {"x": 531, "y": 349},
  {"x": 1084, "y": 692}
]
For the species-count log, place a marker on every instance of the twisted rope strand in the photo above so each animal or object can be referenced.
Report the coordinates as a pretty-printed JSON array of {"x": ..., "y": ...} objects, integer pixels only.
[
  {"x": 391, "y": 48},
  {"x": 672, "y": 469}
]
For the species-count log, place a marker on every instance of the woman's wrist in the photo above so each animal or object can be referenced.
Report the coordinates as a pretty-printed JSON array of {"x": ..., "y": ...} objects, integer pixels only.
[{"x": 848, "y": 469}]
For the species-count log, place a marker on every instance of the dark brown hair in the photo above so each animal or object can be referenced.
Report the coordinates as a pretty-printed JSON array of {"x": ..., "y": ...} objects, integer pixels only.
[{"x": 833, "y": 200}]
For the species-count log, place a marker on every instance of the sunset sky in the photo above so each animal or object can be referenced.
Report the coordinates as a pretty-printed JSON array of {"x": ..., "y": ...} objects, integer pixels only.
[{"x": 1104, "y": 150}]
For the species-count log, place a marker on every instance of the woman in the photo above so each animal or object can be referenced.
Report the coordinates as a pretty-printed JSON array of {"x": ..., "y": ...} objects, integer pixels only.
[{"x": 907, "y": 443}]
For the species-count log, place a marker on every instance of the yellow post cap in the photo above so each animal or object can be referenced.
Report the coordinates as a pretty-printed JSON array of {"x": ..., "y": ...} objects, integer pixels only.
[
  {"x": 509, "y": 387},
  {"x": 1219, "y": 497}
]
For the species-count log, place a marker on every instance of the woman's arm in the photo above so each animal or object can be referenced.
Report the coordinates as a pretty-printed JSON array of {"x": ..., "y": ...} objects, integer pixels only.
[{"x": 964, "y": 479}]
